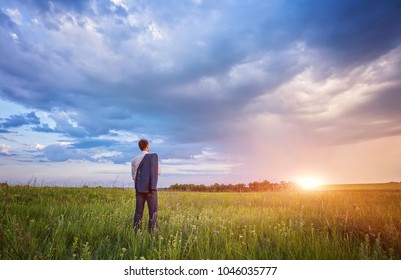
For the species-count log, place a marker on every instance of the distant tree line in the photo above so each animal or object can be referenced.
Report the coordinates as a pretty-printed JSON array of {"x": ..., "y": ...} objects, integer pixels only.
[{"x": 264, "y": 186}]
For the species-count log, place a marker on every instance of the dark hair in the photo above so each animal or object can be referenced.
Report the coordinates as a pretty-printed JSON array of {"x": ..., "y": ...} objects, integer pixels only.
[{"x": 143, "y": 143}]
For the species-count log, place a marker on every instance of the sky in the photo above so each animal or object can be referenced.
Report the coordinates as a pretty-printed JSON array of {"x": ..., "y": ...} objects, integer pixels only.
[{"x": 225, "y": 91}]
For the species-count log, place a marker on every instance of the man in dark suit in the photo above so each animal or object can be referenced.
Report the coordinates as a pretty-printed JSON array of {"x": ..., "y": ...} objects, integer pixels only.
[{"x": 145, "y": 170}]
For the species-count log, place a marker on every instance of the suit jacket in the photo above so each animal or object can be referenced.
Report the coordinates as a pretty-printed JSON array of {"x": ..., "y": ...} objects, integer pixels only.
[{"x": 147, "y": 174}]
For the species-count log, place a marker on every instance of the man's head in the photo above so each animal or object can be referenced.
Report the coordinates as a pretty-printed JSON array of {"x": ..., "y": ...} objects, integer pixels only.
[{"x": 143, "y": 145}]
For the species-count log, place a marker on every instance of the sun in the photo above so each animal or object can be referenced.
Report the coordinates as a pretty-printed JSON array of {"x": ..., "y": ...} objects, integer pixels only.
[{"x": 309, "y": 183}]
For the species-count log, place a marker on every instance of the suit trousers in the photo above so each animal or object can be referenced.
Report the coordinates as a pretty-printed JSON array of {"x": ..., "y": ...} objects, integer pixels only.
[{"x": 151, "y": 199}]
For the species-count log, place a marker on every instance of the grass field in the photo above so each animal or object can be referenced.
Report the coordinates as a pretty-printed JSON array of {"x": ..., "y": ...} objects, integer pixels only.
[{"x": 340, "y": 222}]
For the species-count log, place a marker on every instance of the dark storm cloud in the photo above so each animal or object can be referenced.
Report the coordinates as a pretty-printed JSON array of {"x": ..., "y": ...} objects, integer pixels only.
[
  {"x": 20, "y": 120},
  {"x": 354, "y": 31}
]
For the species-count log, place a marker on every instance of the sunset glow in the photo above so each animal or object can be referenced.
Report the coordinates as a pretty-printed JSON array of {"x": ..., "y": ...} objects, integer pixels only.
[{"x": 310, "y": 183}]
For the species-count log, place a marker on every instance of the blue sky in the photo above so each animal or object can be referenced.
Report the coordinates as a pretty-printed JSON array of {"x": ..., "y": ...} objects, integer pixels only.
[{"x": 226, "y": 91}]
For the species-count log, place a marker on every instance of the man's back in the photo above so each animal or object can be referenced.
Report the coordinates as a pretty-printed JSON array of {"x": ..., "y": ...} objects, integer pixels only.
[{"x": 146, "y": 176}]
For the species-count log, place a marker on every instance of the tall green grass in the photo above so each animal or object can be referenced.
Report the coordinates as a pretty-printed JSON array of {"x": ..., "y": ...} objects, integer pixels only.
[{"x": 96, "y": 223}]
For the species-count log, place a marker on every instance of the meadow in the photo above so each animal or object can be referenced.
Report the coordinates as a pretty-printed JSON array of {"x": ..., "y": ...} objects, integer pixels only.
[{"x": 96, "y": 223}]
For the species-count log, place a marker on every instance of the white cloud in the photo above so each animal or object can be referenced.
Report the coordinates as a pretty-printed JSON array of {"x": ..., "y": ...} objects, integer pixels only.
[
  {"x": 15, "y": 15},
  {"x": 40, "y": 147},
  {"x": 155, "y": 31},
  {"x": 5, "y": 149},
  {"x": 64, "y": 144},
  {"x": 120, "y": 3},
  {"x": 14, "y": 37},
  {"x": 105, "y": 154},
  {"x": 205, "y": 154},
  {"x": 331, "y": 107}
]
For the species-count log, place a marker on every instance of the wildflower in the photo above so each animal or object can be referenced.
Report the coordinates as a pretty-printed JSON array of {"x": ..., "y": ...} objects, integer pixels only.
[{"x": 123, "y": 250}]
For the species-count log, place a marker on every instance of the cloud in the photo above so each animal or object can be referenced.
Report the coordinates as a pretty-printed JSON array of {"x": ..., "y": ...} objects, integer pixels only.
[
  {"x": 5, "y": 150},
  {"x": 6, "y": 21},
  {"x": 20, "y": 120},
  {"x": 54, "y": 5},
  {"x": 207, "y": 162},
  {"x": 93, "y": 150},
  {"x": 91, "y": 143},
  {"x": 200, "y": 74},
  {"x": 43, "y": 128},
  {"x": 60, "y": 152},
  {"x": 349, "y": 34},
  {"x": 14, "y": 15}
]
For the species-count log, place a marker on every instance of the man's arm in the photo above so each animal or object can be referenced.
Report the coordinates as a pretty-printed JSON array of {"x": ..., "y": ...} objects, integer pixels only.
[{"x": 133, "y": 169}]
